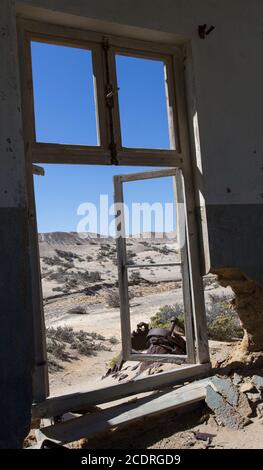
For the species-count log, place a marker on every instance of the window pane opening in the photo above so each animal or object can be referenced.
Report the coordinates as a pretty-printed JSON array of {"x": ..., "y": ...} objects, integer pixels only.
[
  {"x": 64, "y": 101},
  {"x": 142, "y": 103}
]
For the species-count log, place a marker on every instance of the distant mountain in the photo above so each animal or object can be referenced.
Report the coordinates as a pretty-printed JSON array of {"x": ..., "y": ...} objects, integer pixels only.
[
  {"x": 66, "y": 238},
  {"x": 75, "y": 238}
]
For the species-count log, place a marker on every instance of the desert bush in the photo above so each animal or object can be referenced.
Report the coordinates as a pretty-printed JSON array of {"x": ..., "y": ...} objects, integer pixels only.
[
  {"x": 68, "y": 255},
  {"x": 164, "y": 250},
  {"x": 113, "y": 298},
  {"x": 78, "y": 309},
  {"x": 94, "y": 276},
  {"x": 113, "y": 340},
  {"x": 73, "y": 280},
  {"x": 106, "y": 251},
  {"x": 62, "y": 341},
  {"x": 130, "y": 256},
  {"x": 167, "y": 313},
  {"x": 56, "y": 261},
  {"x": 222, "y": 320},
  {"x": 135, "y": 277}
]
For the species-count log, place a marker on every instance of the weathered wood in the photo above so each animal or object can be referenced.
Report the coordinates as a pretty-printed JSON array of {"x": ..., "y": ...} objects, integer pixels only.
[
  {"x": 71, "y": 34},
  {"x": 54, "y": 153},
  {"x": 154, "y": 265},
  {"x": 56, "y": 406},
  {"x": 186, "y": 288},
  {"x": 38, "y": 170},
  {"x": 122, "y": 271},
  {"x": 146, "y": 175},
  {"x": 40, "y": 376},
  {"x": 163, "y": 358},
  {"x": 95, "y": 423},
  {"x": 194, "y": 248},
  {"x": 77, "y": 154}
]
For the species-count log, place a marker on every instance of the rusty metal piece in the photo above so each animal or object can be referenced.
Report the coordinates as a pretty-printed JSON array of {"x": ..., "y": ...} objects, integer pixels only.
[{"x": 158, "y": 332}]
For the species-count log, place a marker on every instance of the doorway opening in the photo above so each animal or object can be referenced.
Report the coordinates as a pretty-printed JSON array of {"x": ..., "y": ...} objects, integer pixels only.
[{"x": 125, "y": 102}]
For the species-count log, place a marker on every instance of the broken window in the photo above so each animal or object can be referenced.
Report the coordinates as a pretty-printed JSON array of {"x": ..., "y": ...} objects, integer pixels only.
[{"x": 180, "y": 352}]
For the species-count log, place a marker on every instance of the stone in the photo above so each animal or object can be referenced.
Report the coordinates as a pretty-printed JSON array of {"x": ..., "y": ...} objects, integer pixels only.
[
  {"x": 226, "y": 388},
  {"x": 260, "y": 410},
  {"x": 254, "y": 397},
  {"x": 237, "y": 379},
  {"x": 204, "y": 436},
  {"x": 246, "y": 387},
  {"x": 258, "y": 382},
  {"x": 224, "y": 412},
  {"x": 244, "y": 407}
]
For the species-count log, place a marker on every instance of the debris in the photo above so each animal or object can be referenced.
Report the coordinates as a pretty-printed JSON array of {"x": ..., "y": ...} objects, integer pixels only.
[
  {"x": 257, "y": 380},
  {"x": 204, "y": 436},
  {"x": 237, "y": 379},
  {"x": 254, "y": 397},
  {"x": 246, "y": 387},
  {"x": 244, "y": 407},
  {"x": 260, "y": 410},
  {"x": 226, "y": 388},
  {"x": 122, "y": 377},
  {"x": 224, "y": 412}
]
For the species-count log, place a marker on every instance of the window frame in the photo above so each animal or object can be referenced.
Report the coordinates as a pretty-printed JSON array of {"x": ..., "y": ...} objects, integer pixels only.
[{"x": 82, "y": 154}]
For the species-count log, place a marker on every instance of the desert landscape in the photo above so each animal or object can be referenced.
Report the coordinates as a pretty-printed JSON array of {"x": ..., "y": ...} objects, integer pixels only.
[
  {"x": 82, "y": 316},
  {"x": 81, "y": 302}
]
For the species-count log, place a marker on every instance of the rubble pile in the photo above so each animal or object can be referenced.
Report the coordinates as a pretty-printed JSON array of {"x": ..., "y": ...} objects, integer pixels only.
[{"x": 235, "y": 401}]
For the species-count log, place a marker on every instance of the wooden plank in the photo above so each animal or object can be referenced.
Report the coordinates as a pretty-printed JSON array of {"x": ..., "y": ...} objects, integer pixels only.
[
  {"x": 71, "y": 34},
  {"x": 182, "y": 241},
  {"x": 38, "y": 170},
  {"x": 171, "y": 107},
  {"x": 56, "y": 406},
  {"x": 194, "y": 246},
  {"x": 122, "y": 271},
  {"x": 163, "y": 358},
  {"x": 73, "y": 154},
  {"x": 90, "y": 425},
  {"x": 40, "y": 376},
  {"x": 154, "y": 265},
  {"x": 147, "y": 175},
  {"x": 151, "y": 159},
  {"x": 77, "y": 154}
]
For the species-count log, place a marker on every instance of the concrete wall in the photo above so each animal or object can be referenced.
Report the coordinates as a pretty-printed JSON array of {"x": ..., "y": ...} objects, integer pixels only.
[
  {"x": 16, "y": 343},
  {"x": 228, "y": 80}
]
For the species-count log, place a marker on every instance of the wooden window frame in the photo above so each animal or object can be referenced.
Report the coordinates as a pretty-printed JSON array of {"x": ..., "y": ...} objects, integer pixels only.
[
  {"x": 63, "y": 154},
  {"x": 171, "y": 56},
  {"x": 124, "y": 267}
]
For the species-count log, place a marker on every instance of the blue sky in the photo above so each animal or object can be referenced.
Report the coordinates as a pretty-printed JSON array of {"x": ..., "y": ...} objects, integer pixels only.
[{"x": 65, "y": 113}]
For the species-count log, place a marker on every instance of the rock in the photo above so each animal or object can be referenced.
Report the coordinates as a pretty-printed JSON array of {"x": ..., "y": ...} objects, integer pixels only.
[
  {"x": 257, "y": 380},
  {"x": 226, "y": 388},
  {"x": 224, "y": 412},
  {"x": 204, "y": 436},
  {"x": 246, "y": 387},
  {"x": 260, "y": 410},
  {"x": 254, "y": 397},
  {"x": 237, "y": 379},
  {"x": 244, "y": 407}
]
